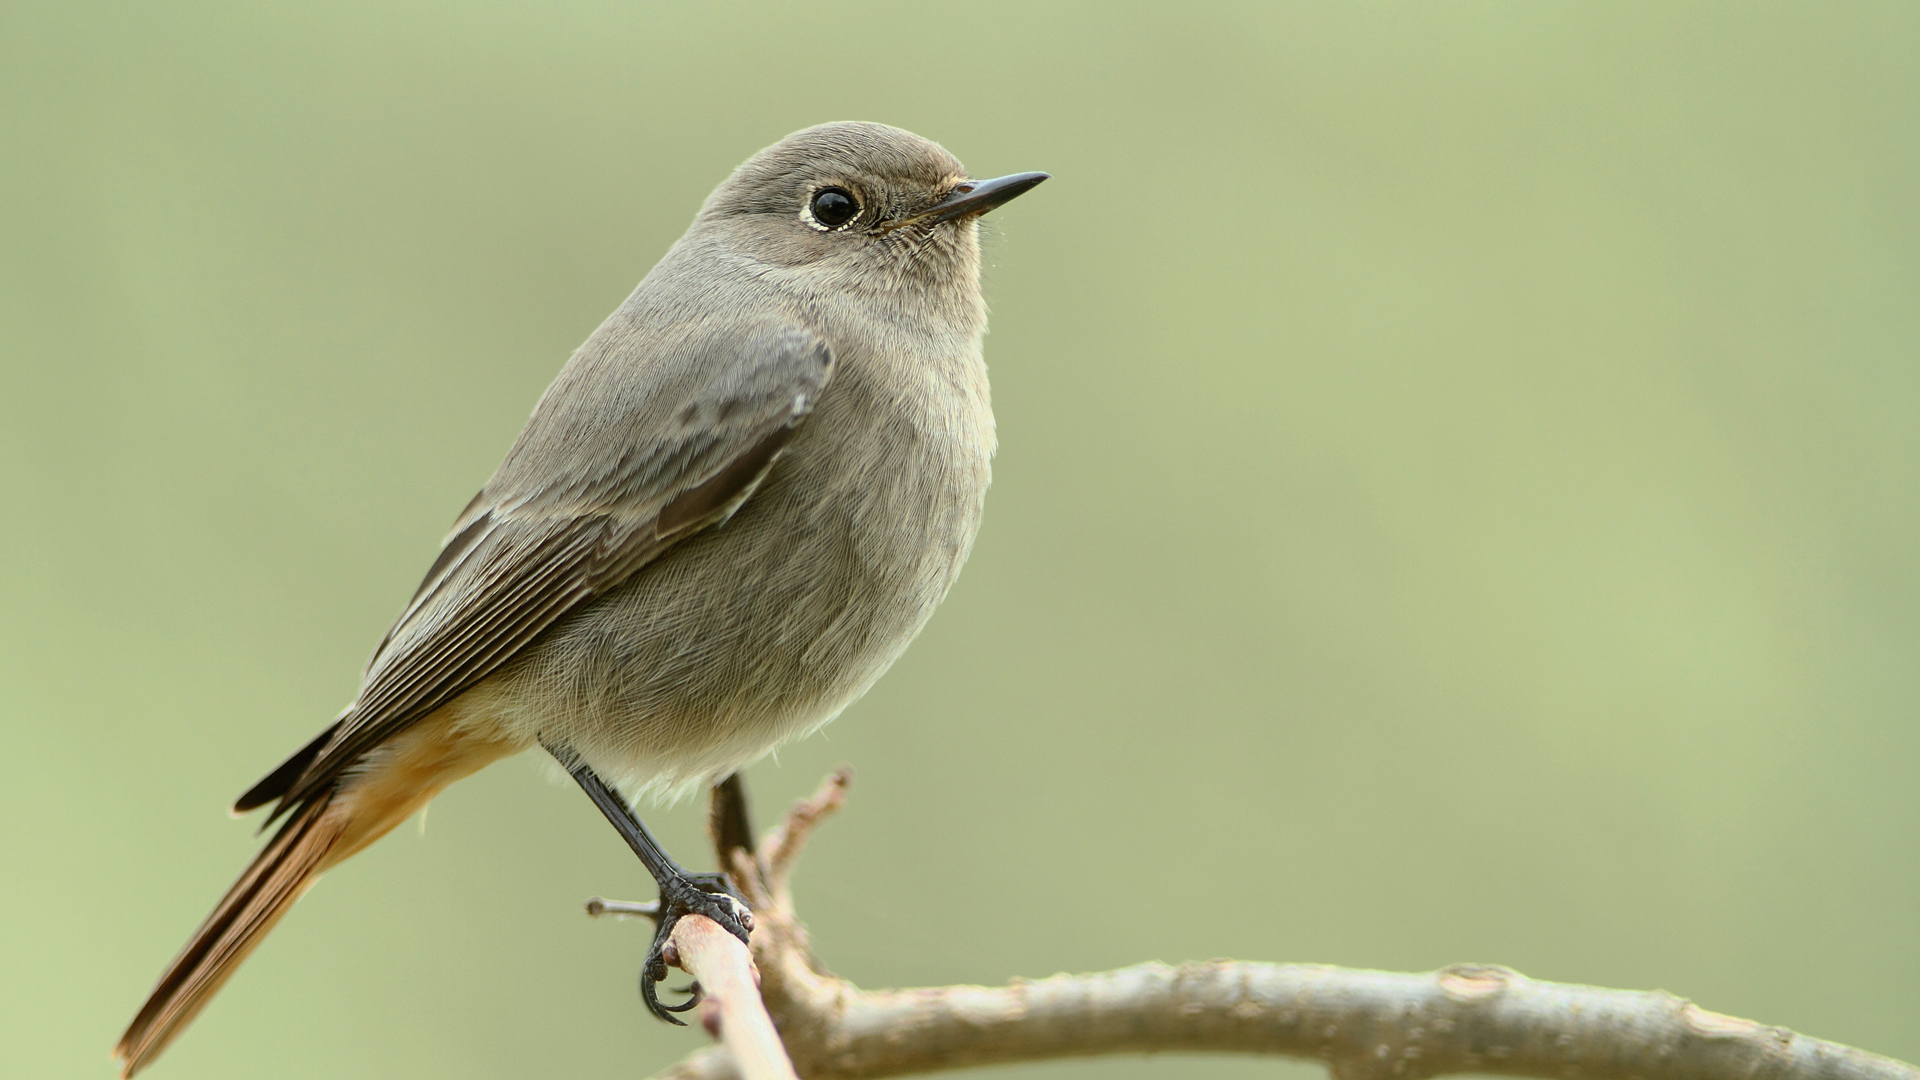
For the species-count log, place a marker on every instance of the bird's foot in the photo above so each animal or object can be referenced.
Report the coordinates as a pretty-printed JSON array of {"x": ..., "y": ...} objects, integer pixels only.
[{"x": 695, "y": 894}]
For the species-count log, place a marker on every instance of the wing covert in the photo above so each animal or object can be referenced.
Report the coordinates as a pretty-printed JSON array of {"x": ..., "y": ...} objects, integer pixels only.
[{"x": 622, "y": 458}]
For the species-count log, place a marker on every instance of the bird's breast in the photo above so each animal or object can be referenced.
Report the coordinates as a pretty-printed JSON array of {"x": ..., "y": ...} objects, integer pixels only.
[{"x": 765, "y": 627}]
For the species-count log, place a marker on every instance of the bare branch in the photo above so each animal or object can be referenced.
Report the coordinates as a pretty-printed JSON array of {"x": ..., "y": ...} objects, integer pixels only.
[
  {"x": 729, "y": 821},
  {"x": 730, "y": 1006},
  {"x": 1365, "y": 1025},
  {"x": 783, "y": 844}
]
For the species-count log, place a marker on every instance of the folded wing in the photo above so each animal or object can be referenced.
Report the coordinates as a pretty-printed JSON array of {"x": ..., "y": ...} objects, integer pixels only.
[{"x": 624, "y": 457}]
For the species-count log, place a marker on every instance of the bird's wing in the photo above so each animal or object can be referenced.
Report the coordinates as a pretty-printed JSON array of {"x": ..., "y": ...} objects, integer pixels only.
[{"x": 598, "y": 485}]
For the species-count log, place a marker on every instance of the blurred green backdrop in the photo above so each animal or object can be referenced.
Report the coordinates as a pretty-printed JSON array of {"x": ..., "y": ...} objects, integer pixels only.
[{"x": 1457, "y": 489}]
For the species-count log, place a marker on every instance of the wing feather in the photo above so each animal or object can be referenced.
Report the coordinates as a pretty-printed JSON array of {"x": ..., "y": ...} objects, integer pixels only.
[{"x": 684, "y": 441}]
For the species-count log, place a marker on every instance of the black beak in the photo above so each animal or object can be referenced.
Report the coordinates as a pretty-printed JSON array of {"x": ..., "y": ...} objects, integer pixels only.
[{"x": 978, "y": 197}]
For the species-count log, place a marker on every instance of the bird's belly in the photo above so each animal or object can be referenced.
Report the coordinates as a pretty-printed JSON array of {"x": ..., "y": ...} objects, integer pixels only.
[{"x": 757, "y": 631}]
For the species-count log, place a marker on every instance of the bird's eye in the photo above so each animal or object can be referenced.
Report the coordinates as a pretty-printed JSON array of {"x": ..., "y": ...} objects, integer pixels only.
[{"x": 833, "y": 207}]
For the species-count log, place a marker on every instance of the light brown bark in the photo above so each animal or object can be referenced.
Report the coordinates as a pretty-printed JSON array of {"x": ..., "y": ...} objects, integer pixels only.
[
  {"x": 730, "y": 1004},
  {"x": 1364, "y": 1025}
]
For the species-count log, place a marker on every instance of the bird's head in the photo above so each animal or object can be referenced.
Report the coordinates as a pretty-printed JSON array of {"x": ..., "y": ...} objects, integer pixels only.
[{"x": 858, "y": 206}]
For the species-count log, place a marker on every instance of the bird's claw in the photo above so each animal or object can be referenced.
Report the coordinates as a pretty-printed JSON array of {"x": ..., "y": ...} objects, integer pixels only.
[
  {"x": 694, "y": 994},
  {"x": 678, "y": 899}
]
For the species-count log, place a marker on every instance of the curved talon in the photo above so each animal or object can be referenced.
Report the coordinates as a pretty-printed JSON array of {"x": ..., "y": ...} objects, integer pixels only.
[
  {"x": 698, "y": 996},
  {"x": 664, "y": 1012},
  {"x": 678, "y": 899}
]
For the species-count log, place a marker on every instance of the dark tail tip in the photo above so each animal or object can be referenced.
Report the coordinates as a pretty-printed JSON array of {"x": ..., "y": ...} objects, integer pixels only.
[
  {"x": 281, "y": 780},
  {"x": 274, "y": 880}
]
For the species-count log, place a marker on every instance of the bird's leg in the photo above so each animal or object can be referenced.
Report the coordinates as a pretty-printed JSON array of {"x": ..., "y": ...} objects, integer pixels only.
[{"x": 682, "y": 892}]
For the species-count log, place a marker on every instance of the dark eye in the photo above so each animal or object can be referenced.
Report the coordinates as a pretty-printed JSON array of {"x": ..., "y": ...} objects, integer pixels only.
[{"x": 834, "y": 207}]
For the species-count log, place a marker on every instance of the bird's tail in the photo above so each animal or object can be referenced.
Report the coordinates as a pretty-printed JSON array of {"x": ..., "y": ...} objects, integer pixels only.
[
  {"x": 284, "y": 869},
  {"x": 382, "y": 789}
]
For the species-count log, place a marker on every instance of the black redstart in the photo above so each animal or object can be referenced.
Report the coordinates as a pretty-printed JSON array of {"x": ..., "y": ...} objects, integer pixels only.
[{"x": 733, "y": 509}]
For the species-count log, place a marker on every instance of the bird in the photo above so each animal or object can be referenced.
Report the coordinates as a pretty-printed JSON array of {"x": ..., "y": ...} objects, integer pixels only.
[{"x": 735, "y": 506}]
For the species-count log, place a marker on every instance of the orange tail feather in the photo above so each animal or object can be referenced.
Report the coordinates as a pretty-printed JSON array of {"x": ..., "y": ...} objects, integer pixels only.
[
  {"x": 272, "y": 882},
  {"x": 391, "y": 783}
]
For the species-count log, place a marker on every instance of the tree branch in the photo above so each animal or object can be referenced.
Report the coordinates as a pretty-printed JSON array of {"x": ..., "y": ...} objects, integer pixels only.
[
  {"x": 730, "y": 1005},
  {"x": 1365, "y": 1025}
]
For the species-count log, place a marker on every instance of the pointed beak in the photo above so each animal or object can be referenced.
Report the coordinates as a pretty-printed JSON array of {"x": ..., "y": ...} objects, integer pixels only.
[{"x": 975, "y": 197}]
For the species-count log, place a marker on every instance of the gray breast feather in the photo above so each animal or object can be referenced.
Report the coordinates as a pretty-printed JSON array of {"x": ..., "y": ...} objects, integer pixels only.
[{"x": 765, "y": 628}]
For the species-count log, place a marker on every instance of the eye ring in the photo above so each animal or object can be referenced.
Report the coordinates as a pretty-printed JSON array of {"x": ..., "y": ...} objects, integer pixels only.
[{"x": 832, "y": 207}]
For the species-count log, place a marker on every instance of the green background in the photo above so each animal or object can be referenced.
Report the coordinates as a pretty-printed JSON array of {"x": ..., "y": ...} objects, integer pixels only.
[{"x": 1457, "y": 499}]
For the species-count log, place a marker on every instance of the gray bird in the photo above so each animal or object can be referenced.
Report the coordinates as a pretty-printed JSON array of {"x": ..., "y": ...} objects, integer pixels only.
[{"x": 733, "y": 509}]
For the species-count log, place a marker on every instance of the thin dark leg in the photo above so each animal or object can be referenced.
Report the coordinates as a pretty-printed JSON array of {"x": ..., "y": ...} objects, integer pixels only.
[
  {"x": 728, "y": 819},
  {"x": 681, "y": 893}
]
